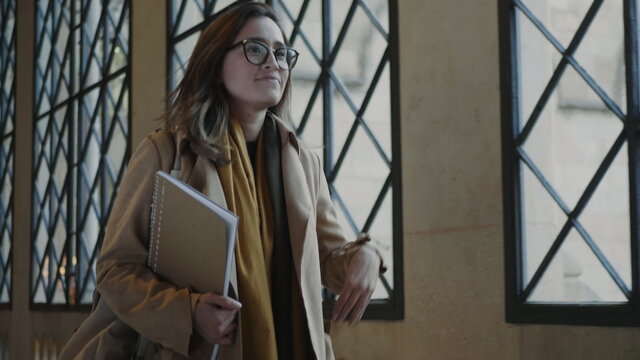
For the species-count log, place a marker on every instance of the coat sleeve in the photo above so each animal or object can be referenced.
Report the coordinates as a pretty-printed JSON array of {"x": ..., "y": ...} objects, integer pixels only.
[
  {"x": 335, "y": 250},
  {"x": 157, "y": 310}
]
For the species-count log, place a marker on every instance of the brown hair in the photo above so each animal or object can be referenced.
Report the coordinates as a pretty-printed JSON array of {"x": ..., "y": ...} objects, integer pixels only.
[{"x": 199, "y": 105}]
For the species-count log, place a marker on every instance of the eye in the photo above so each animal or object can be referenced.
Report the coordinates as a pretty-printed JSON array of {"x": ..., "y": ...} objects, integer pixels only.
[
  {"x": 280, "y": 53},
  {"x": 255, "y": 49}
]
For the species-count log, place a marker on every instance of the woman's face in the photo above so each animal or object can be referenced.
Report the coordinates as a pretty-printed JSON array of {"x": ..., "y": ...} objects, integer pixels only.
[{"x": 254, "y": 87}]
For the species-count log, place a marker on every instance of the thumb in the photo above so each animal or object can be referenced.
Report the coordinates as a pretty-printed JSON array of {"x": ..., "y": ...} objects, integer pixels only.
[{"x": 221, "y": 301}]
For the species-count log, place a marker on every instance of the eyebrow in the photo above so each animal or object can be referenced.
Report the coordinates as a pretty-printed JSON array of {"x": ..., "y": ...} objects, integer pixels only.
[{"x": 278, "y": 44}]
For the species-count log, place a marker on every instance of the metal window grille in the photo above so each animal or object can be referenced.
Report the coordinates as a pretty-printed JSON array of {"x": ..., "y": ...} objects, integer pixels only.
[
  {"x": 81, "y": 140},
  {"x": 7, "y": 119},
  {"x": 344, "y": 104},
  {"x": 570, "y": 106}
]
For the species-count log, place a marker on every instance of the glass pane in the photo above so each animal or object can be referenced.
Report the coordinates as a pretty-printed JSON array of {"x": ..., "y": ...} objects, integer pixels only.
[
  {"x": 304, "y": 78},
  {"x": 359, "y": 56},
  {"x": 310, "y": 32},
  {"x": 219, "y": 5},
  {"x": 180, "y": 56},
  {"x": 5, "y": 291},
  {"x": 601, "y": 52},
  {"x": 561, "y": 18},
  {"x": 382, "y": 237},
  {"x": 59, "y": 293},
  {"x": 343, "y": 122},
  {"x": 542, "y": 221},
  {"x": 380, "y": 292},
  {"x": 192, "y": 14},
  {"x": 286, "y": 8},
  {"x": 537, "y": 61},
  {"x": 116, "y": 150},
  {"x": 606, "y": 216},
  {"x": 378, "y": 113},
  {"x": 339, "y": 10},
  {"x": 92, "y": 56},
  {"x": 576, "y": 275},
  {"x": 360, "y": 178},
  {"x": 312, "y": 134},
  {"x": 39, "y": 296},
  {"x": 5, "y": 267},
  {"x": 571, "y": 139},
  {"x": 118, "y": 36}
]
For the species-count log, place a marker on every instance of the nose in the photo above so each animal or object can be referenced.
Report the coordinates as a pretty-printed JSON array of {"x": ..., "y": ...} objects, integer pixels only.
[{"x": 271, "y": 62}]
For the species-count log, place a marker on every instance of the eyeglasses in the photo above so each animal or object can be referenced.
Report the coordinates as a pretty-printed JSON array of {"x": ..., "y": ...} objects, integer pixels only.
[{"x": 257, "y": 53}]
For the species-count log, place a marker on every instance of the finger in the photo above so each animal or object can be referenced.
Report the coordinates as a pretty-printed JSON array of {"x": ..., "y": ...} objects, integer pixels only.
[
  {"x": 231, "y": 336},
  {"x": 224, "y": 341},
  {"x": 228, "y": 337},
  {"x": 206, "y": 298},
  {"x": 221, "y": 330},
  {"x": 359, "y": 308},
  {"x": 337, "y": 309},
  {"x": 348, "y": 306},
  {"x": 365, "y": 307},
  {"x": 230, "y": 329},
  {"x": 224, "y": 302},
  {"x": 227, "y": 317}
]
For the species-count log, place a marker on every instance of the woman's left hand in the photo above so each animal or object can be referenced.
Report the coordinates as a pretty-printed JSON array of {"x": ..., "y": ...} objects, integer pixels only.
[{"x": 361, "y": 280}]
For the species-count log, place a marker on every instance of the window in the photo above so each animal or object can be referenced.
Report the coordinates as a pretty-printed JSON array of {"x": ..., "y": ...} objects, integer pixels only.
[
  {"x": 570, "y": 107},
  {"x": 344, "y": 105},
  {"x": 81, "y": 140},
  {"x": 7, "y": 116}
]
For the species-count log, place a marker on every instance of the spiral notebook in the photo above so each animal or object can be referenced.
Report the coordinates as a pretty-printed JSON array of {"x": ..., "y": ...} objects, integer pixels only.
[
  {"x": 192, "y": 237},
  {"x": 191, "y": 243}
]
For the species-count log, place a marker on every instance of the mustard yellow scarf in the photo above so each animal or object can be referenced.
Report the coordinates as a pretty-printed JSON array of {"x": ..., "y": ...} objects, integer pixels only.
[{"x": 255, "y": 244}]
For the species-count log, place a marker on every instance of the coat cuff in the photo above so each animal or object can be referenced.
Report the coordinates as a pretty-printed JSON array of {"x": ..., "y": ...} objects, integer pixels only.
[
  {"x": 183, "y": 342},
  {"x": 195, "y": 297},
  {"x": 363, "y": 240},
  {"x": 335, "y": 266}
]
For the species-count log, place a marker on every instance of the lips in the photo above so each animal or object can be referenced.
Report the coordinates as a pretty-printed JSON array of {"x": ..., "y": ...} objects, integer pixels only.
[{"x": 269, "y": 78}]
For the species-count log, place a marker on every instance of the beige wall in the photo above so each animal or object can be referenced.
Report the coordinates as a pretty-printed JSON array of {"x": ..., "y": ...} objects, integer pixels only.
[{"x": 454, "y": 273}]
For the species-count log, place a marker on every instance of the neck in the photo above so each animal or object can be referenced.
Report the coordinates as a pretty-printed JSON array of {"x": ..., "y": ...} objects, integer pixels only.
[{"x": 251, "y": 122}]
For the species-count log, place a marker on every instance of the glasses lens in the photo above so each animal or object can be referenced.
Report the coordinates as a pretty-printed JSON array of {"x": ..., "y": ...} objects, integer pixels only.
[
  {"x": 255, "y": 52},
  {"x": 286, "y": 58},
  {"x": 292, "y": 58},
  {"x": 281, "y": 58}
]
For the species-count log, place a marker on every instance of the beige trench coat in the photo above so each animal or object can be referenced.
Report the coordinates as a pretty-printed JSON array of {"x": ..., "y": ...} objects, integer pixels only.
[{"x": 132, "y": 297}]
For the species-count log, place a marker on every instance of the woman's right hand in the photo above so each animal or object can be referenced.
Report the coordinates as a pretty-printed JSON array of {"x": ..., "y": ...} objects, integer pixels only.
[{"x": 215, "y": 318}]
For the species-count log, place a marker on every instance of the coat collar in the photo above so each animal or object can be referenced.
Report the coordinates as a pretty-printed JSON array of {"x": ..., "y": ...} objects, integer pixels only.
[{"x": 287, "y": 136}]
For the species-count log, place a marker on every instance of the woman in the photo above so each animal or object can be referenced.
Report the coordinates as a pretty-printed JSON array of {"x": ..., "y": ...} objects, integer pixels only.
[{"x": 225, "y": 138}]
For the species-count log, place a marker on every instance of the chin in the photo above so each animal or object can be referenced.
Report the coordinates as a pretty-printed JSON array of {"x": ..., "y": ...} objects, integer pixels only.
[
  {"x": 270, "y": 102},
  {"x": 262, "y": 100}
]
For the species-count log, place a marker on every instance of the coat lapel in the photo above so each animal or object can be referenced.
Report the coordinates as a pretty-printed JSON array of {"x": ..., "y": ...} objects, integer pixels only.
[
  {"x": 304, "y": 242},
  {"x": 298, "y": 203}
]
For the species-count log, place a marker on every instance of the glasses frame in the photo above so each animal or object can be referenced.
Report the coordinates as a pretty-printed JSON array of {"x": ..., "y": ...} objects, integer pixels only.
[{"x": 269, "y": 49}]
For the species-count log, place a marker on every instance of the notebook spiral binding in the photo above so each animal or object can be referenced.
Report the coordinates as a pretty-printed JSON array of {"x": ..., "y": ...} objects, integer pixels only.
[{"x": 156, "y": 223}]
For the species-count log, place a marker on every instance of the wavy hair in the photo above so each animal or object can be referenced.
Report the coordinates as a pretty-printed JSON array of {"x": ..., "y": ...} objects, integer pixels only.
[{"x": 199, "y": 105}]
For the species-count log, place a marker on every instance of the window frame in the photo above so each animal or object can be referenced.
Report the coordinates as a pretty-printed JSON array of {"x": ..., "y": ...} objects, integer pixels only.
[
  {"x": 517, "y": 310},
  {"x": 8, "y": 116},
  {"x": 73, "y": 103}
]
